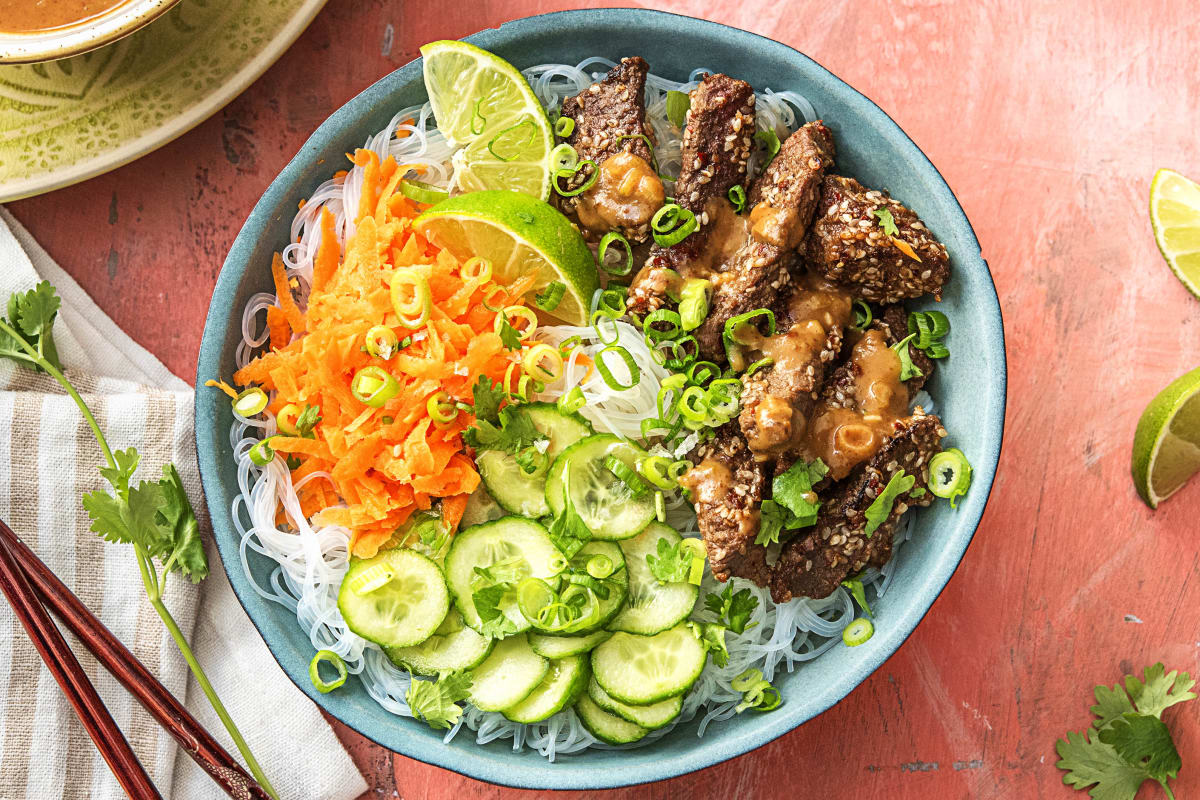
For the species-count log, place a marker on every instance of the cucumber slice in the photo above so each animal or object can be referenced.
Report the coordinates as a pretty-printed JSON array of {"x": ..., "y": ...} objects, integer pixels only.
[
  {"x": 518, "y": 542},
  {"x": 564, "y": 646},
  {"x": 508, "y": 675},
  {"x": 403, "y": 610},
  {"x": 606, "y": 505},
  {"x": 652, "y": 606},
  {"x": 653, "y": 716},
  {"x": 641, "y": 670},
  {"x": 605, "y": 726},
  {"x": 513, "y": 488},
  {"x": 453, "y": 647},
  {"x": 562, "y": 685}
]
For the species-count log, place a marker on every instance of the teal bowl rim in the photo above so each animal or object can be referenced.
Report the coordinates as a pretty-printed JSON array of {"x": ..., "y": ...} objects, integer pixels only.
[{"x": 496, "y": 762}]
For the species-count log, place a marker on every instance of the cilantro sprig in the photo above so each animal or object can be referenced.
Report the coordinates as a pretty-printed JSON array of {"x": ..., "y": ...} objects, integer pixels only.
[
  {"x": 670, "y": 563},
  {"x": 733, "y": 609},
  {"x": 793, "y": 503},
  {"x": 154, "y": 517},
  {"x": 1128, "y": 743},
  {"x": 436, "y": 702}
]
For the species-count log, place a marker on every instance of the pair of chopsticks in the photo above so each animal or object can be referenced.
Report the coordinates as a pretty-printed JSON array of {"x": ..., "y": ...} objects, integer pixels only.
[{"x": 31, "y": 587}]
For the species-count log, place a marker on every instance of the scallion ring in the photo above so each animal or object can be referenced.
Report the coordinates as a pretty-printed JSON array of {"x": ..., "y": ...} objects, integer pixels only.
[
  {"x": 374, "y": 386},
  {"x": 425, "y": 193},
  {"x": 858, "y": 632},
  {"x": 949, "y": 475},
  {"x": 250, "y": 402},
  {"x": 476, "y": 268},
  {"x": 569, "y": 174},
  {"x": 286, "y": 419},
  {"x": 671, "y": 224},
  {"x": 492, "y": 292},
  {"x": 411, "y": 299},
  {"x": 661, "y": 324},
  {"x": 564, "y": 127},
  {"x": 569, "y": 344},
  {"x": 600, "y": 566},
  {"x": 655, "y": 469},
  {"x": 611, "y": 303},
  {"x": 572, "y": 401},
  {"x": 699, "y": 554},
  {"x": 615, "y": 268},
  {"x": 702, "y": 372},
  {"x": 660, "y": 507},
  {"x": 314, "y": 671},
  {"x": 863, "y": 315},
  {"x": 625, "y": 475},
  {"x": 382, "y": 342},
  {"x": 441, "y": 408},
  {"x": 635, "y": 374},
  {"x": 762, "y": 363},
  {"x": 730, "y": 335},
  {"x": 549, "y": 298},
  {"x": 737, "y": 196},
  {"x": 511, "y": 313},
  {"x": 543, "y": 362},
  {"x": 534, "y": 596},
  {"x": 693, "y": 404},
  {"x": 563, "y": 157},
  {"x": 262, "y": 453},
  {"x": 607, "y": 334}
]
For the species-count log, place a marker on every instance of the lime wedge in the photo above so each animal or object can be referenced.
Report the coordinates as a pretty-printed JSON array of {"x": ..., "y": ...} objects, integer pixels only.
[
  {"x": 485, "y": 107},
  {"x": 1175, "y": 217},
  {"x": 1166, "y": 446},
  {"x": 520, "y": 235}
]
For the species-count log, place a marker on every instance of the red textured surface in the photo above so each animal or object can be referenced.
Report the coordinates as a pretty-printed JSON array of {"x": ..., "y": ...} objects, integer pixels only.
[{"x": 1048, "y": 120}]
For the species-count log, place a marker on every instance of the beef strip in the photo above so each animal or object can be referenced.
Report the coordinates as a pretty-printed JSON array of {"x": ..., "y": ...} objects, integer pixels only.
[
  {"x": 814, "y": 563},
  {"x": 847, "y": 244},
  {"x": 727, "y": 487},
  {"x": 606, "y": 111},
  {"x": 717, "y": 137},
  {"x": 782, "y": 202}
]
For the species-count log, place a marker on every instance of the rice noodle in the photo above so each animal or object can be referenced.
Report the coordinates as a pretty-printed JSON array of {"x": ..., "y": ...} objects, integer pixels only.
[{"x": 311, "y": 557}]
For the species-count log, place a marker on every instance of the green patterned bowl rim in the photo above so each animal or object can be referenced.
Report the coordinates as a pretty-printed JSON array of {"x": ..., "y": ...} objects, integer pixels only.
[{"x": 970, "y": 387}]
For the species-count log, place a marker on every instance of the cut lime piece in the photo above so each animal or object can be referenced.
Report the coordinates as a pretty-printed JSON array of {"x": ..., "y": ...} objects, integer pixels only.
[
  {"x": 484, "y": 105},
  {"x": 520, "y": 235},
  {"x": 1166, "y": 446},
  {"x": 1175, "y": 217}
]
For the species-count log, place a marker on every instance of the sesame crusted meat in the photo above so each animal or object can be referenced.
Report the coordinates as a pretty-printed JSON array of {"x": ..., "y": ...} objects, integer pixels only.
[
  {"x": 848, "y": 244},
  {"x": 782, "y": 202},
  {"x": 610, "y": 119},
  {"x": 727, "y": 487},
  {"x": 815, "y": 563},
  {"x": 717, "y": 139}
]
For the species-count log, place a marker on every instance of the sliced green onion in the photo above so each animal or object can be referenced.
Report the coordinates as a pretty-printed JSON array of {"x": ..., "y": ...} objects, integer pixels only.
[
  {"x": 722, "y": 397},
  {"x": 598, "y": 320},
  {"x": 702, "y": 372},
  {"x": 678, "y": 104},
  {"x": 569, "y": 344},
  {"x": 649, "y": 426},
  {"x": 250, "y": 402},
  {"x": 583, "y": 579},
  {"x": 732, "y": 325},
  {"x": 858, "y": 632},
  {"x": 382, "y": 342},
  {"x": 491, "y": 146},
  {"x": 441, "y": 408},
  {"x": 676, "y": 361},
  {"x": 699, "y": 554},
  {"x": 635, "y": 374},
  {"x": 425, "y": 193},
  {"x": 674, "y": 282},
  {"x": 678, "y": 469},
  {"x": 671, "y": 384},
  {"x": 600, "y": 566},
  {"x": 611, "y": 303},
  {"x": 757, "y": 693},
  {"x": 660, "y": 507},
  {"x": 771, "y": 140},
  {"x": 534, "y": 597},
  {"x": 549, "y": 299},
  {"x": 570, "y": 173},
  {"x": 762, "y": 363},
  {"x": 937, "y": 350},
  {"x": 564, "y": 127},
  {"x": 618, "y": 268},
  {"x": 509, "y": 313},
  {"x": 655, "y": 470},
  {"x": 584, "y": 600},
  {"x": 662, "y": 316},
  {"x": 372, "y": 578},
  {"x": 413, "y": 310},
  {"x": 693, "y": 404},
  {"x": 262, "y": 453},
  {"x": 314, "y": 671},
  {"x": 745, "y": 680},
  {"x": 563, "y": 157},
  {"x": 286, "y": 419},
  {"x": 863, "y": 315},
  {"x": 949, "y": 475},
  {"x": 476, "y": 268},
  {"x": 572, "y": 401},
  {"x": 671, "y": 224},
  {"x": 543, "y": 362},
  {"x": 374, "y": 386},
  {"x": 737, "y": 196},
  {"x": 626, "y": 475},
  {"x": 694, "y": 302}
]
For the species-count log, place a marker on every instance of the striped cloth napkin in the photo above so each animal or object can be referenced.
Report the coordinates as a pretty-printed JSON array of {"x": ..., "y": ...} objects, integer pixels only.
[{"x": 48, "y": 461}]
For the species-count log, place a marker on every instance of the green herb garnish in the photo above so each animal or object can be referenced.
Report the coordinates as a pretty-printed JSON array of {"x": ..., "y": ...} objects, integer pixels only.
[
  {"x": 907, "y": 368},
  {"x": 733, "y": 609},
  {"x": 881, "y": 508},
  {"x": 436, "y": 702},
  {"x": 678, "y": 104},
  {"x": 887, "y": 222}
]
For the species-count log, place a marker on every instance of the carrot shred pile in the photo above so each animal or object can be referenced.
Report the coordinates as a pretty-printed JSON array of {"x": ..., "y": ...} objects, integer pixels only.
[{"x": 386, "y": 463}]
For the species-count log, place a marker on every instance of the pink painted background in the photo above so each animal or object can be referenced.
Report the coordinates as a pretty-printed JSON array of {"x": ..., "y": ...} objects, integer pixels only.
[{"x": 1048, "y": 120}]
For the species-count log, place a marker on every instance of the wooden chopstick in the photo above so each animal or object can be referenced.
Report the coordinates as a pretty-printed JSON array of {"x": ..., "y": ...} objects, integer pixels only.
[
  {"x": 132, "y": 674},
  {"x": 74, "y": 682}
]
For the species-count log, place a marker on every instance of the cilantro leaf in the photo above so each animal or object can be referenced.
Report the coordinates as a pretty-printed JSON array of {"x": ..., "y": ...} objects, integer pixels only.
[
  {"x": 1160, "y": 690},
  {"x": 859, "y": 593},
  {"x": 515, "y": 432},
  {"x": 881, "y": 508},
  {"x": 1144, "y": 741},
  {"x": 127, "y": 461},
  {"x": 568, "y": 531},
  {"x": 712, "y": 637},
  {"x": 1090, "y": 761},
  {"x": 436, "y": 702},
  {"x": 32, "y": 314},
  {"x": 733, "y": 609},
  {"x": 177, "y": 521},
  {"x": 487, "y": 604},
  {"x": 907, "y": 368},
  {"x": 672, "y": 564},
  {"x": 307, "y": 420},
  {"x": 129, "y": 520},
  {"x": 508, "y": 334},
  {"x": 887, "y": 222},
  {"x": 794, "y": 490},
  {"x": 488, "y": 397}
]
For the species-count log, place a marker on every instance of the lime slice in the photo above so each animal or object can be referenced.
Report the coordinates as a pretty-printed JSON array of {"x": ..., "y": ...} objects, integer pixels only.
[
  {"x": 1166, "y": 446},
  {"x": 1175, "y": 216},
  {"x": 520, "y": 235},
  {"x": 484, "y": 106}
]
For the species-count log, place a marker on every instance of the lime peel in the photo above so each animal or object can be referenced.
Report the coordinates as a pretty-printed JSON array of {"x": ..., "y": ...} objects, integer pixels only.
[
  {"x": 1166, "y": 445},
  {"x": 1175, "y": 218}
]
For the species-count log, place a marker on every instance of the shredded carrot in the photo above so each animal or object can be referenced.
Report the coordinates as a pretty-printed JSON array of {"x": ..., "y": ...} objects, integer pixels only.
[
  {"x": 224, "y": 387},
  {"x": 386, "y": 463}
]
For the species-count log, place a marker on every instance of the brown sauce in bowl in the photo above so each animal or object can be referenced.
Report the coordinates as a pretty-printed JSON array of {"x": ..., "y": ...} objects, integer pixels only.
[{"x": 28, "y": 16}]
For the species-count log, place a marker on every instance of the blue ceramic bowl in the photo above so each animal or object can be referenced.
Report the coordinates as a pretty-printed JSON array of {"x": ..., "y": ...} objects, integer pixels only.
[{"x": 969, "y": 386}]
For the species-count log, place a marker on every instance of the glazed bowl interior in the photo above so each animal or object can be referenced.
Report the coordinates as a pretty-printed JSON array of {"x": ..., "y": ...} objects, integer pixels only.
[
  {"x": 80, "y": 37},
  {"x": 969, "y": 386}
]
